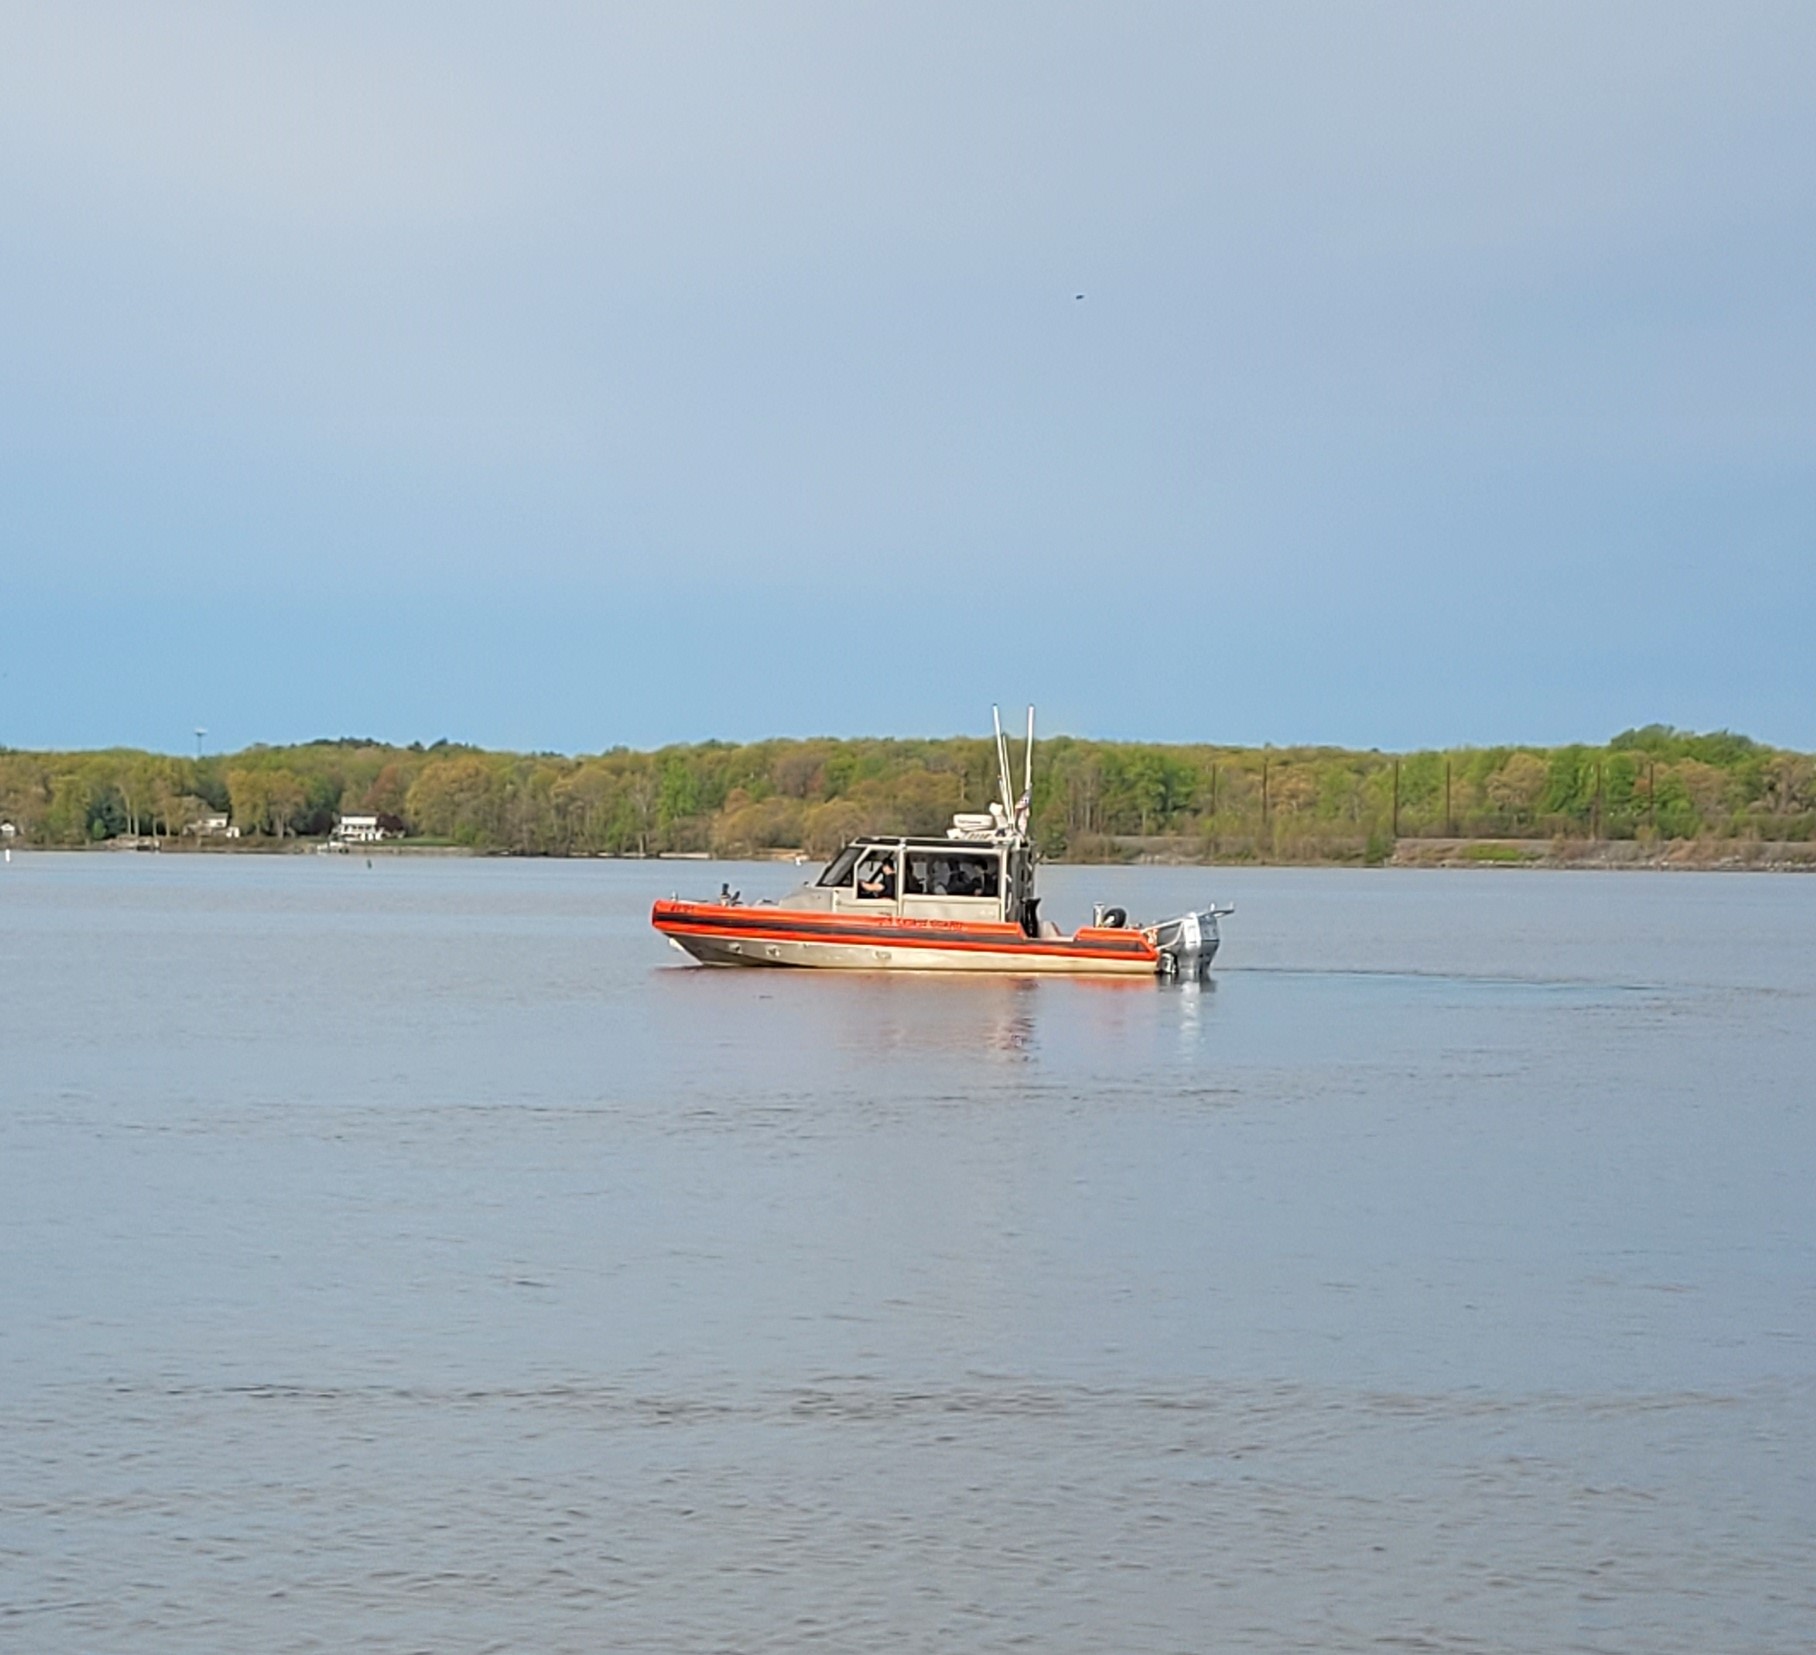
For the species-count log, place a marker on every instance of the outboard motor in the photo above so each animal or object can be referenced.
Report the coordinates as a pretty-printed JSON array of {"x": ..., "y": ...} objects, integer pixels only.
[{"x": 1188, "y": 944}]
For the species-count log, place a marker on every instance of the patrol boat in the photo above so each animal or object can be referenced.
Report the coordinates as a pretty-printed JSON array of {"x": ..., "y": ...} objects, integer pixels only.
[{"x": 962, "y": 902}]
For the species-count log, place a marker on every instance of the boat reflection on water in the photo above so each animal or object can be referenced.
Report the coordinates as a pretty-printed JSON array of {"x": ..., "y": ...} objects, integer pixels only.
[
  {"x": 872, "y": 1012},
  {"x": 798, "y": 1018},
  {"x": 1190, "y": 987}
]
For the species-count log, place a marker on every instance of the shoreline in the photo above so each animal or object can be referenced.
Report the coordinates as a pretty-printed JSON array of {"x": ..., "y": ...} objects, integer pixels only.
[{"x": 1604, "y": 856}]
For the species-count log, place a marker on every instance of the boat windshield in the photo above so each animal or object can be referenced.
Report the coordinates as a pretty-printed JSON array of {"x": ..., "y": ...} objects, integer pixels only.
[{"x": 838, "y": 870}]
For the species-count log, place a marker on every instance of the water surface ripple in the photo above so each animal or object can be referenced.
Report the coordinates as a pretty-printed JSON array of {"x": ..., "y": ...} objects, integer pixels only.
[{"x": 423, "y": 1257}]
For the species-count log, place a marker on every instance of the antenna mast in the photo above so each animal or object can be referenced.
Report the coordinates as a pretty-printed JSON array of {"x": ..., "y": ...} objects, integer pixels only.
[
  {"x": 1002, "y": 764},
  {"x": 1028, "y": 767}
]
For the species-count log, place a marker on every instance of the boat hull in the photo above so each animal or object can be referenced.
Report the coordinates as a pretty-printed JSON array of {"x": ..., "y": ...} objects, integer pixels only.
[{"x": 717, "y": 934}]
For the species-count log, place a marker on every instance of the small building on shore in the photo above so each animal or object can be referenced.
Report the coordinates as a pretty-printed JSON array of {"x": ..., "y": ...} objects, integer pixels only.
[
  {"x": 213, "y": 825},
  {"x": 360, "y": 830}
]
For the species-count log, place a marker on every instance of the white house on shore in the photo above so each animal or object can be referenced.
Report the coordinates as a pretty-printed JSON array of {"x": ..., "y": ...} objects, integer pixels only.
[
  {"x": 358, "y": 830},
  {"x": 214, "y": 825}
]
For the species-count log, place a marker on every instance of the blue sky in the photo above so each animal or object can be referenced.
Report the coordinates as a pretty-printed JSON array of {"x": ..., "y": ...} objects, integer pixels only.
[{"x": 556, "y": 377}]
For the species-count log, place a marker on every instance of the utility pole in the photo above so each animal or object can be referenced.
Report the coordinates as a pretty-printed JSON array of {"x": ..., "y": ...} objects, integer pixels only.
[
  {"x": 1396, "y": 832},
  {"x": 1450, "y": 822}
]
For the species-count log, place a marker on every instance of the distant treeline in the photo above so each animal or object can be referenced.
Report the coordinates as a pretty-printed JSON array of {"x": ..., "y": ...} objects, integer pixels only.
[{"x": 1092, "y": 799}]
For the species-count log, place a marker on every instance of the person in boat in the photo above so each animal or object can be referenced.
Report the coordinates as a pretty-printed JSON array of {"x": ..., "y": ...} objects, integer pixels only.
[{"x": 879, "y": 882}]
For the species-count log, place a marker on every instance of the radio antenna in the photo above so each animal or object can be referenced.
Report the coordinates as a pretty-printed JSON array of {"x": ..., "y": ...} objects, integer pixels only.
[
  {"x": 1027, "y": 798},
  {"x": 1002, "y": 763}
]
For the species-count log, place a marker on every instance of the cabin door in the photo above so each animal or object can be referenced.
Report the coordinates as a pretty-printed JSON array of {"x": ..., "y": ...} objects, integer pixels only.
[{"x": 879, "y": 880}]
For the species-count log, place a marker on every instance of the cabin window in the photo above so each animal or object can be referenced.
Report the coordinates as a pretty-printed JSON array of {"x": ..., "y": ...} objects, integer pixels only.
[
  {"x": 876, "y": 875},
  {"x": 951, "y": 873},
  {"x": 838, "y": 870}
]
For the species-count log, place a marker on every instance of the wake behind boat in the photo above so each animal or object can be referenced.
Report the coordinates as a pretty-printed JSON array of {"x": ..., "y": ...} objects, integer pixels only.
[{"x": 964, "y": 902}]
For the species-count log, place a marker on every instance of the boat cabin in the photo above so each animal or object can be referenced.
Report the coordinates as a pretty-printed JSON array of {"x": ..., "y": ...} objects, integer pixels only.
[{"x": 912, "y": 878}]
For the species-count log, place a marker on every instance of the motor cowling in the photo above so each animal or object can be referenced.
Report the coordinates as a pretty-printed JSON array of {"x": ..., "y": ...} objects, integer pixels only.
[{"x": 1188, "y": 944}]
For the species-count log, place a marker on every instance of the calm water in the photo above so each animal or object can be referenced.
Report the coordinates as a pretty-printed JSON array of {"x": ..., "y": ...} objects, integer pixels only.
[{"x": 426, "y": 1257}]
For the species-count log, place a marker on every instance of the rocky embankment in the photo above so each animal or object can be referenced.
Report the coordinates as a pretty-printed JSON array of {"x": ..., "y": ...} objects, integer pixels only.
[{"x": 1725, "y": 855}]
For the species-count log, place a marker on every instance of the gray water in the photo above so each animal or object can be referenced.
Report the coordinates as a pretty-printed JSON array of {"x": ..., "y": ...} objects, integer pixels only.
[{"x": 424, "y": 1256}]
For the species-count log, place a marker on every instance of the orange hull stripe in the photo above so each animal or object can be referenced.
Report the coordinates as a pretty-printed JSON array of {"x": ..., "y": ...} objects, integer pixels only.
[
  {"x": 1103, "y": 945},
  {"x": 930, "y": 945},
  {"x": 815, "y": 917}
]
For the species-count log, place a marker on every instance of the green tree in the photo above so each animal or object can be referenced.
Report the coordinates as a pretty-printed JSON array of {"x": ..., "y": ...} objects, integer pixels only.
[
  {"x": 250, "y": 793},
  {"x": 286, "y": 799},
  {"x": 460, "y": 798},
  {"x": 1570, "y": 784},
  {"x": 66, "y": 821},
  {"x": 1516, "y": 789}
]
